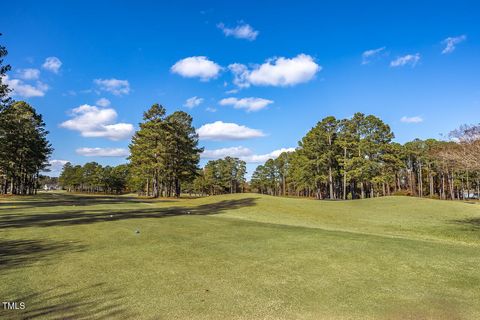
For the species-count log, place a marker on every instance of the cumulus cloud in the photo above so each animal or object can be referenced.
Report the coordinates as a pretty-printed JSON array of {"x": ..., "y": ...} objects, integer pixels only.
[
  {"x": 241, "y": 31},
  {"x": 409, "y": 59},
  {"x": 103, "y": 102},
  {"x": 114, "y": 86},
  {"x": 369, "y": 54},
  {"x": 451, "y": 42},
  {"x": 416, "y": 119},
  {"x": 193, "y": 102},
  {"x": 278, "y": 72},
  {"x": 94, "y": 122},
  {"x": 244, "y": 154},
  {"x": 52, "y": 64},
  {"x": 249, "y": 104},
  {"x": 196, "y": 67},
  {"x": 26, "y": 90},
  {"x": 220, "y": 130},
  {"x": 28, "y": 74},
  {"x": 103, "y": 152}
]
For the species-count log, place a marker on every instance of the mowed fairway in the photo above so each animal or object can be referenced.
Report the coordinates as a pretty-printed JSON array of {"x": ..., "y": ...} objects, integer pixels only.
[{"x": 243, "y": 256}]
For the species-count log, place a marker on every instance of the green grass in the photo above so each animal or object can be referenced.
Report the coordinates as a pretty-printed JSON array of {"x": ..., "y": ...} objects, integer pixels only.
[{"x": 242, "y": 256}]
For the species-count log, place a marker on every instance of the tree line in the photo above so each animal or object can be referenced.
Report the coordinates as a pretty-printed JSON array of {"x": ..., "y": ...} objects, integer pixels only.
[
  {"x": 356, "y": 158},
  {"x": 221, "y": 176},
  {"x": 337, "y": 159},
  {"x": 94, "y": 178},
  {"x": 24, "y": 148}
]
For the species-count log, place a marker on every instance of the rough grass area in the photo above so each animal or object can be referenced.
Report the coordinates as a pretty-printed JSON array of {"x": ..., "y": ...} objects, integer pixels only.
[{"x": 242, "y": 256}]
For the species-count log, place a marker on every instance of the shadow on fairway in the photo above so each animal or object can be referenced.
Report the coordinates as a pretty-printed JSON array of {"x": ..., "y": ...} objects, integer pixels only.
[
  {"x": 473, "y": 223},
  {"x": 65, "y": 199},
  {"x": 79, "y": 217},
  {"x": 93, "y": 302},
  {"x": 22, "y": 253}
]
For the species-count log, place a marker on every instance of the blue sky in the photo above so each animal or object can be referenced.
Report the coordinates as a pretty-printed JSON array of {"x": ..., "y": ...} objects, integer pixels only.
[{"x": 258, "y": 75}]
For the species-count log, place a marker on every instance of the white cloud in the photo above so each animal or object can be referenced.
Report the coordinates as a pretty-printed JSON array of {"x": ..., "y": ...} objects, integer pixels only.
[
  {"x": 52, "y": 64},
  {"x": 196, "y": 67},
  {"x": 250, "y": 104},
  {"x": 114, "y": 86},
  {"x": 103, "y": 102},
  {"x": 210, "y": 109},
  {"x": 279, "y": 72},
  {"x": 451, "y": 42},
  {"x": 416, "y": 119},
  {"x": 103, "y": 152},
  {"x": 244, "y": 154},
  {"x": 193, "y": 102},
  {"x": 223, "y": 152},
  {"x": 369, "y": 54},
  {"x": 232, "y": 91},
  {"x": 28, "y": 74},
  {"x": 411, "y": 59},
  {"x": 258, "y": 158},
  {"x": 220, "y": 130},
  {"x": 241, "y": 31},
  {"x": 240, "y": 76},
  {"x": 23, "y": 89},
  {"x": 93, "y": 122},
  {"x": 55, "y": 167}
]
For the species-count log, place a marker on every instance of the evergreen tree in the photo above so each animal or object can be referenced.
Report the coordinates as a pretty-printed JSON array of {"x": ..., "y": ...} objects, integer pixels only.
[
  {"x": 24, "y": 148},
  {"x": 164, "y": 152}
]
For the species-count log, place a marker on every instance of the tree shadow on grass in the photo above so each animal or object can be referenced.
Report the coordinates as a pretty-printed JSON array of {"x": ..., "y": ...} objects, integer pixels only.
[
  {"x": 80, "y": 217},
  {"x": 65, "y": 199},
  {"x": 98, "y": 301},
  {"x": 472, "y": 223},
  {"x": 22, "y": 253}
]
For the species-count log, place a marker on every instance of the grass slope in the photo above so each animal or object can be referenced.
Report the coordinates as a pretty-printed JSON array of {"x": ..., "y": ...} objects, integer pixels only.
[{"x": 243, "y": 256}]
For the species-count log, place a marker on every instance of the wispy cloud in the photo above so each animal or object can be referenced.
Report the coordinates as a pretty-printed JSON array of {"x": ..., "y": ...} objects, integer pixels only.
[
  {"x": 369, "y": 54},
  {"x": 52, "y": 64},
  {"x": 210, "y": 109},
  {"x": 451, "y": 42},
  {"x": 220, "y": 130},
  {"x": 249, "y": 104},
  {"x": 196, "y": 67},
  {"x": 415, "y": 119},
  {"x": 103, "y": 152},
  {"x": 28, "y": 74},
  {"x": 409, "y": 59},
  {"x": 193, "y": 102},
  {"x": 103, "y": 102},
  {"x": 277, "y": 72},
  {"x": 241, "y": 31},
  {"x": 114, "y": 86}
]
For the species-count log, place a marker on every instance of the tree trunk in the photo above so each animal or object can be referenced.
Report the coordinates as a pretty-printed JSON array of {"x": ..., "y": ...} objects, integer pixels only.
[
  {"x": 148, "y": 187},
  {"x": 330, "y": 182},
  {"x": 177, "y": 188}
]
